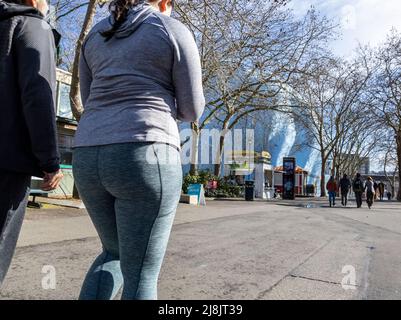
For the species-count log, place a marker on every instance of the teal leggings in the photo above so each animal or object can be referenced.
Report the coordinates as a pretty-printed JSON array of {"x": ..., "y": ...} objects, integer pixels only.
[{"x": 131, "y": 192}]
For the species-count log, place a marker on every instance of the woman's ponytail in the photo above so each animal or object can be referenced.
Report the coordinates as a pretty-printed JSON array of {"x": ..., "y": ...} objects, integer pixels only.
[{"x": 119, "y": 10}]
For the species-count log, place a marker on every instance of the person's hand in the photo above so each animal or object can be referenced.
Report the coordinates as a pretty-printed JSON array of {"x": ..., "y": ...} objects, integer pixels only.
[{"x": 51, "y": 180}]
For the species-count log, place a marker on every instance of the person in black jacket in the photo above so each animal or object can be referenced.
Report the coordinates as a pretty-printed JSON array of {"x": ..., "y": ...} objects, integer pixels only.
[
  {"x": 28, "y": 141},
  {"x": 358, "y": 186},
  {"x": 345, "y": 187}
]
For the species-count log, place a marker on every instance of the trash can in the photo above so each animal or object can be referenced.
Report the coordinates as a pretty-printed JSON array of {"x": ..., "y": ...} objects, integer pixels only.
[
  {"x": 249, "y": 190},
  {"x": 310, "y": 189}
]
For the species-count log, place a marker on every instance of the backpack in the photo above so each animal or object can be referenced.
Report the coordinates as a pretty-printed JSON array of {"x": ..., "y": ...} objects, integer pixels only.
[
  {"x": 358, "y": 185},
  {"x": 345, "y": 184}
]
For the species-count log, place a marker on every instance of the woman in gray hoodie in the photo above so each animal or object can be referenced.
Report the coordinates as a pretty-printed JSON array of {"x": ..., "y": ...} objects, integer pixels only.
[
  {"x": 370, "y": 192},
  {"x": 140, "y": 72}
]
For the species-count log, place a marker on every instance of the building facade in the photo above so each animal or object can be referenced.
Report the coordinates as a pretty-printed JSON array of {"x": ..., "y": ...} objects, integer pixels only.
[{"x": 66, "y": 124}]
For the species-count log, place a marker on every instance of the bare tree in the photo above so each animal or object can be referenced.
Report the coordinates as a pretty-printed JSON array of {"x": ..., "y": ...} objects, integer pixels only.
[
  {"x": 328, "y": 96},
  {"x": 387, "y": 91},
  {"x": 75, "y": 97},
  {"x": 249, "y": 51},
  {"x": 390, "y": 162},
  {"x": 67, "y": 16},
  {"x": 65, "y": 8},
  {"x": 359, "y": 143}
]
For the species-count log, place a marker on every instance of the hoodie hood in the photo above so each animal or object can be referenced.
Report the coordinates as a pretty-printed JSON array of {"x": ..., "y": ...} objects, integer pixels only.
[
  {"x": 9, "y": 10},
  {"x": 136, "y": 16}
]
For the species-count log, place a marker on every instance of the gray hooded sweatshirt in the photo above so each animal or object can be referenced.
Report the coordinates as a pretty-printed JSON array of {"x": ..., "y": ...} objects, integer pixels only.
[{"x": 136, "y": 86}]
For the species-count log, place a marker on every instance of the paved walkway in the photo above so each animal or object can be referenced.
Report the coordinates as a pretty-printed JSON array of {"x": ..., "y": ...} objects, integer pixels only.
[{"x": 231, "y": 250}]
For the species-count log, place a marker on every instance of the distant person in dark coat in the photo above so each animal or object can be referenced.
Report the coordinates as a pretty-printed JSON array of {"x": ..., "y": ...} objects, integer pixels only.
[
  {"x": 345, "y": 187},
  {"x": 358, "y": 188}
]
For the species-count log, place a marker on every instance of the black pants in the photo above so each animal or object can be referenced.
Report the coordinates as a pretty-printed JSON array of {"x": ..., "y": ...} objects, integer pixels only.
[
  {"x": 370, "y": 198},
  {"x": 344, "y": 198},
  {"x": 358, "y": 198},
  {"x": 14, "y": 192}
]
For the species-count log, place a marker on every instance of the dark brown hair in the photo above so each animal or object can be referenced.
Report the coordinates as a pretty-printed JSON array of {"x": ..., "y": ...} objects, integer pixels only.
[
  {"x": 15, "y": 1},
  {"x": 119, "y": 10}
]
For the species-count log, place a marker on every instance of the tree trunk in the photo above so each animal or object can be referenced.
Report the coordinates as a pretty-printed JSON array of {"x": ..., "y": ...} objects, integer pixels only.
[
  {"x": 323, "y": 177},
  {"x": 75, "y": 96},
  {"x": 217, "y": 165},
  {"x": 218, "y": 157},
  {"x": 338, "y": 173},
  {"x": 399, "y": 164},
  {"x": 393, "y": 188},
  {"x": 334, "y": 166},
  {"x": 195, "y": 149}
]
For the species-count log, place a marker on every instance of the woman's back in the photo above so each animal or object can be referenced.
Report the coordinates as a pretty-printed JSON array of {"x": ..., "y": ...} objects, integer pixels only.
[
  {"x": 136, "y": 85},
  {"x": 369, "y": 186},
  {"x": 139, "y": 73}
]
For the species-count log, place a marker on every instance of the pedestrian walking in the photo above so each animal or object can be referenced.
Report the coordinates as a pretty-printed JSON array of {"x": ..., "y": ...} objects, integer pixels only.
[
  {"x": 376, "y": 188},
  {"x": 370, "y": 192},
  {"x": 331, "y": 187},
  {"x": 27, "y": 116},
  {"x": 345, "y": 187},
  {"x": 381, "y": 187},
  {"x": 358, "y": 188},
  {"x": 140, "y": 72}
]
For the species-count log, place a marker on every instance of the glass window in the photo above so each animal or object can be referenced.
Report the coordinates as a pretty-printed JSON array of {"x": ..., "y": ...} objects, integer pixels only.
[
  {"x": 64, "y": 108},
  {"x": 65, "y": 148}
]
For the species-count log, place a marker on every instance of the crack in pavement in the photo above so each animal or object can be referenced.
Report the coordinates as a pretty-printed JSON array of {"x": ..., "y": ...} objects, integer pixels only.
[
  {"x": 313, "y": 279},
  {"x": 316, "y": 251},
  {"x": 59, "y": 242}
]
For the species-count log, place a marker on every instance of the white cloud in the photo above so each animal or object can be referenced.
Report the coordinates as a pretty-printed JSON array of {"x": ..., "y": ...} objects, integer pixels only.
[
  {"x": 361, "y": 21},
  {"x": 348, "y": 17}
]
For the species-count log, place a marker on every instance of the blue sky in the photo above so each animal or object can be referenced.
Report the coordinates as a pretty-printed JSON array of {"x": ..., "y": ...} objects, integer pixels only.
[{"x": 364, "y": 21}]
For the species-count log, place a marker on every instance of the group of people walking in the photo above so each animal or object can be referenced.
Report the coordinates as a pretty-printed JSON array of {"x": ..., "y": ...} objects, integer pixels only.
[
  {"x": 359, "y": 187},
  {"x": 140, "y": 73}
]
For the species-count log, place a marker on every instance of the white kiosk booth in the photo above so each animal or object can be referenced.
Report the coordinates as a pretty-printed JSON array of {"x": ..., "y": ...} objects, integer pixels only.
[
  {"x": 247, "y": 163},
  {"x": 264, "y": 176}
]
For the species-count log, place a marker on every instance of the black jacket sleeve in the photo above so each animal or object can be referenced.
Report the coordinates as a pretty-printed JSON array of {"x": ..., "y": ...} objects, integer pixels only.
[{"x": 35, "y": 54}]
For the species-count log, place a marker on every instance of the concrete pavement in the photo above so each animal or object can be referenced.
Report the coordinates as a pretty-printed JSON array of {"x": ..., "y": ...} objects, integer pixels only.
[{"x": 231, "y": 250}]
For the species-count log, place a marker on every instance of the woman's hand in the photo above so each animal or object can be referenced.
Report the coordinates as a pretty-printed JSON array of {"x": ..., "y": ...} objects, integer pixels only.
[{"x": 52, "y": 180}]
